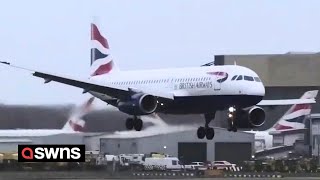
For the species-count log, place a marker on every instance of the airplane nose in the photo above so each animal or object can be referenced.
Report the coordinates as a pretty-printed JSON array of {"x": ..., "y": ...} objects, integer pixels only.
[
  {"x": 257, "y": 90},
  {"x": 263, "y": 90}
]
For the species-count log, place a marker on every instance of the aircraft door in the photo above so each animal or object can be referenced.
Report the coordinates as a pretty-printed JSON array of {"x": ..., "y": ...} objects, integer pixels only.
[
  {"x": 216, "y": 83},
  {"x": 219, "y": 78},
  {"x": 170, "y": 85}
]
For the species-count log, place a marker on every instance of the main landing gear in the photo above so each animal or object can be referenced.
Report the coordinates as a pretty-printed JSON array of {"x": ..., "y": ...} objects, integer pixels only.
[
  {"x": 135, "y": 123},
  {"x": 232, "y": 123},
  {"x": 206, "y": 130}
]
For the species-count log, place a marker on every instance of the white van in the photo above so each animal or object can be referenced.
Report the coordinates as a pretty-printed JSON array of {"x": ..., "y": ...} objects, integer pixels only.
[
  {"x": 111, "y": 158},
  {"x": 162, "y": 163}
]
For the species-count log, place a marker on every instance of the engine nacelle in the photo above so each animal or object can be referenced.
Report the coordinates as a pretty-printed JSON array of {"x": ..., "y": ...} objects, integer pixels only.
[
  {"x": 252, "y": 117},
  {"x": 257, "y": 116},
  {"x": 139, "y": 104}
]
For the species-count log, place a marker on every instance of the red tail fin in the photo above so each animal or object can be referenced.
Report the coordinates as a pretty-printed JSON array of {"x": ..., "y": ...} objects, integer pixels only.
[{"x": 101, "y": 60}]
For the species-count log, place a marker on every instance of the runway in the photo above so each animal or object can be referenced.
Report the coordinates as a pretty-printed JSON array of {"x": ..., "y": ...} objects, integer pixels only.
[
  {"x": 296, "y": 178},
  {"x": 92, "y": 175}
]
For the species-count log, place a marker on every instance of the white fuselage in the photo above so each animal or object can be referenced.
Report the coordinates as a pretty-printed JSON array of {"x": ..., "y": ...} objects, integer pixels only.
[
  {"x": 171, "y": 80},
  {"x": 188, "y": 82}
]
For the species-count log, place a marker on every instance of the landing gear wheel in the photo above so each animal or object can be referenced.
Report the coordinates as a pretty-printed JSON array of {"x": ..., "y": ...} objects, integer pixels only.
[
  {"x": 201, "y": 132},
  {"x": 232, "y": 121},
  {"x": 129, "y": 123},
  {"x": 234, "y": 129},
  {"x": 230, "y": 125},
  {"x": 209, "y": 133},
  {"x": 137, "y": 123}
]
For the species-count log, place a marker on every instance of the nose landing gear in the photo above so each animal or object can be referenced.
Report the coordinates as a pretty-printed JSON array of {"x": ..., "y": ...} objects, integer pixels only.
[{"x": 232, "y": 123}]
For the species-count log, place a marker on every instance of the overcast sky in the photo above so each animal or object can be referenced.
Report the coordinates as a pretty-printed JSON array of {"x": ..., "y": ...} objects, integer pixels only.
[{"x": 54, "y": 35}]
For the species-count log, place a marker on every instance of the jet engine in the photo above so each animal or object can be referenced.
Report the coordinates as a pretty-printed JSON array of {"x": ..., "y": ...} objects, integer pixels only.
[
  {"x": 250, "y": 117},
  {"x": 138, "y": 104}
]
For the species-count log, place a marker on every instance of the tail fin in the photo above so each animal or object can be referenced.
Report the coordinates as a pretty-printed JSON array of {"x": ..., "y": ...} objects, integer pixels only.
[
  {"x": 75, "y": 123},
  {"x": 101, "y": 60},
  {"x": 295, "y": 117}
]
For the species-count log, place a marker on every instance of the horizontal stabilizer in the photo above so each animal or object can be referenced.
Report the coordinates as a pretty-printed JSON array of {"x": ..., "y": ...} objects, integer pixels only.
[{"x": 286, "y": 102}]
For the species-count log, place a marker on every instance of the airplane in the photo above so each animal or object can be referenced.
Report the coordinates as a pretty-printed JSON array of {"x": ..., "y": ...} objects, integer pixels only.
[
  {"x": 293, "y": 119},
  {"x": 74, "y": 124},
  {"x": 189, "y": 90}
]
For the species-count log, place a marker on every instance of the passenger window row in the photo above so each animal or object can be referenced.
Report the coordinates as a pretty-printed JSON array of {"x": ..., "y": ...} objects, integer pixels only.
[
  {"x": 160, "y": 81},
  {"x": 140, "y": 82},
  {"x": 192, "y": 79},
  {"x": 246, "y": 78}
]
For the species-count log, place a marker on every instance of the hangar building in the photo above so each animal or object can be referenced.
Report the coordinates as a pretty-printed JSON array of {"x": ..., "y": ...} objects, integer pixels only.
[{"x": 179, "y": 142}]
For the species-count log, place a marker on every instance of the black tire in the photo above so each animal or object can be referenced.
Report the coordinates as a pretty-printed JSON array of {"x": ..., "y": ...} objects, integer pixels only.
[
  {"x": 129, "y": 123},
  {"x": 138, "y": 124},
  {"x": 230, "y": 125},
  {"x": 209, "y": 133},
  {"x": 201, "y": 132},
  {"x": 234, "y": 129}
]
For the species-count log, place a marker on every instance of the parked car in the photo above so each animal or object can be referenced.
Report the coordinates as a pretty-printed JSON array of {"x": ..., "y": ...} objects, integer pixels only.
[
  {"x": 196, "y": 166},
  {"x": 222, "y": 164}
]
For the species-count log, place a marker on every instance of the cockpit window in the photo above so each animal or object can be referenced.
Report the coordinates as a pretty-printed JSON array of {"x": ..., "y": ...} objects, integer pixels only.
[
  {"x": 239, "y": 78},
  {"x": 248, "y": 78},
  {"x": 257, "y": 79},
  {"x": 234, "y": 77}
]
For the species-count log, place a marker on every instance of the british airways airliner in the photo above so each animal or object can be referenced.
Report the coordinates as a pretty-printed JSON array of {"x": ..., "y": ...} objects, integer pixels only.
[{"x": 193, "y": 90}]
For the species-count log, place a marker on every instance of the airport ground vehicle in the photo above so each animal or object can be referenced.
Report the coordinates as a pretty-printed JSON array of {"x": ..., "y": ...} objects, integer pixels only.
[
  {"x": 166, "y": 163},
  {"x": 222, "y": 164},
  {"x": 196, "y": 166}
]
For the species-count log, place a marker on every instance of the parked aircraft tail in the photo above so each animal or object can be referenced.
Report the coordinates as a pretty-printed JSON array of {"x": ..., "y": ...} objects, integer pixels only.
[
  {"x": 75, "y": 123},
  {"x": 295, "y": 117}
]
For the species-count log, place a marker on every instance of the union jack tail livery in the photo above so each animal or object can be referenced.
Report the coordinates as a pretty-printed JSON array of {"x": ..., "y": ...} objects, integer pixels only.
[
  {"x": 295, "y": 117},
  {"x": 75, "y": 123},
  {"x": 101, "y": 60}
]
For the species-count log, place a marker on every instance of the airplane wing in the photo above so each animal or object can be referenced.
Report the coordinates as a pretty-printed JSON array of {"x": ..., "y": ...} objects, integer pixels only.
[
  {"x": 89, "y": 85},
  {"x": 286, "y": 102}
]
